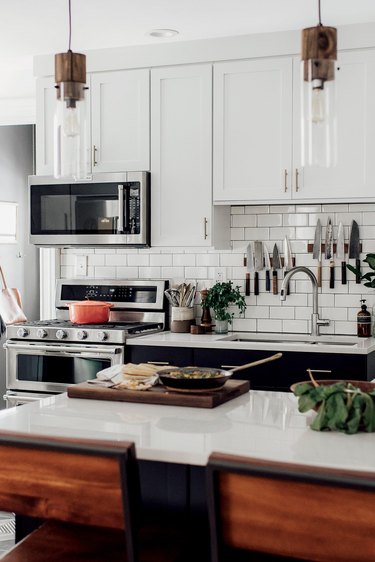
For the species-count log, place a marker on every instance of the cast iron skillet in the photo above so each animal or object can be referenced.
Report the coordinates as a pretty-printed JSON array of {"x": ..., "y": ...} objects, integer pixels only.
[{"x": 202, "y": 379}]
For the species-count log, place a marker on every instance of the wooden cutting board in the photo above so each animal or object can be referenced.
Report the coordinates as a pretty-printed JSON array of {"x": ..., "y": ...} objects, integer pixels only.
[{"x": 158, "y": 394}]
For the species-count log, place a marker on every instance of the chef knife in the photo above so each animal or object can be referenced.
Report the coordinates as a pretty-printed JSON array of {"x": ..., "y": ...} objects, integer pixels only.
[
  {"x": 317, "y": 250},
  {"x": 329, "y": 253},
  {"x": 267, "y": 267},
  {"x": 340, "y": 252},
  {"x": 354, "y": 249},
  {"x": 249, "y": 267},
  {"x": 276, "y": 264},
  {"x": 258, "y": 264},
  {"x": 288, "y": 260}
]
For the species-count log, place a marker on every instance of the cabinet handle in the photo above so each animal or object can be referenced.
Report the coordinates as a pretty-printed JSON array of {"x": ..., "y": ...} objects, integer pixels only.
[
  {"x": 94, "y": 151},
  {"x": 205, "y": 222},
  {"x": 159, "y": 362},
  {"x": 297, "y": 179},
  {"x": 285, "y": 180}
]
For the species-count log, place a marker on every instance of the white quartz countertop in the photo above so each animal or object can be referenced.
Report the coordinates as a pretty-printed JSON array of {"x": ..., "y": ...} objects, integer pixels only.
[
  {"x": 267, "y": 341},
  {"x": 260, "y": 424}
]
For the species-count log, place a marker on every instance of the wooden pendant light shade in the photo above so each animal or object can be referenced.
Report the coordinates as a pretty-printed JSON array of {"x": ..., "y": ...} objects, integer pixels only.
[
  {"x": 70, "y": 69},
  {"x": 319, "y": 43}
]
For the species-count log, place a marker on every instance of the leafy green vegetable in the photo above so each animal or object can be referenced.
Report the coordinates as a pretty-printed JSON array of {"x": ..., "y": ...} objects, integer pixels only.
[{"x": 341, "y": 406}]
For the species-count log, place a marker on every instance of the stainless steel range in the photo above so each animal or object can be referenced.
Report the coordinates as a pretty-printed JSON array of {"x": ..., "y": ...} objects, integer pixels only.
[{"x": 44, "y": 357}]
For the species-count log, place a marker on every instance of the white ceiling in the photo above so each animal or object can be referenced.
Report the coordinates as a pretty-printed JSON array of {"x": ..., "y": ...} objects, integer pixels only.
[{"x": 31, "y": 27}]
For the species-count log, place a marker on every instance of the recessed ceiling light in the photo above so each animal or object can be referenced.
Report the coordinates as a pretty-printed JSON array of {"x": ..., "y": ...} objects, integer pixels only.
[{"x": 163, "y": 32}]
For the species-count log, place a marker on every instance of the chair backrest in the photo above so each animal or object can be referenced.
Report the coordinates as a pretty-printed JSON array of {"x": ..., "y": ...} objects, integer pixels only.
[
  {"x": 85, "y": 482},
  {"x": 289, "y": 510}
]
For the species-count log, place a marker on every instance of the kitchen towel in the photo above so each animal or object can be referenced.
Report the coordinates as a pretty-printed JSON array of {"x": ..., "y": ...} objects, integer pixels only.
[{"x": 10, "y": 304}]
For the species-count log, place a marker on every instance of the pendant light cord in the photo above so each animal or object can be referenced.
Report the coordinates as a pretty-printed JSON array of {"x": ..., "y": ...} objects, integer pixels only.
[
  {"x": 70, "y": 25},
  {"x": 319, "y": 10}
]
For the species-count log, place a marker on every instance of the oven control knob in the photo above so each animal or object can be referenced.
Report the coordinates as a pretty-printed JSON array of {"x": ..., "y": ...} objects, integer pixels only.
[
  {"x": 102, "y": 336},
  {"x": 81, "y": 335},
  {"x": 60, "y": 334},
  {"x": 22, "y": 332},
  {"x": 41, "y": 333}
]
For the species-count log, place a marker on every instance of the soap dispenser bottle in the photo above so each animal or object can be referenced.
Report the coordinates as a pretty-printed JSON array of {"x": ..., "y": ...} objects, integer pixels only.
[{"x": 363, "y": 321}]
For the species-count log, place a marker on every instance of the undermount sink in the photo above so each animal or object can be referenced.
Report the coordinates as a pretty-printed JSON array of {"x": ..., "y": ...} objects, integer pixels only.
[{"x": 295, "y": 339}]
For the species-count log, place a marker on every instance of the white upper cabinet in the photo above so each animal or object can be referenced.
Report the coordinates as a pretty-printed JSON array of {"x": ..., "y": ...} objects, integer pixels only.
[
  {"x": 257, "y": 132},
  {"x": 181, "y": 155},
  {"x": 252, "y": 129},
  {"x": 354, "y": 175},
  {"x": 120, "y": 123},
  {"x": 45, "y": 111}
]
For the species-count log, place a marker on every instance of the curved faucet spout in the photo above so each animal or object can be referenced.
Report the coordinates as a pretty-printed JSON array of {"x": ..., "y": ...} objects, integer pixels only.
[{"x": 315, "y": 320}]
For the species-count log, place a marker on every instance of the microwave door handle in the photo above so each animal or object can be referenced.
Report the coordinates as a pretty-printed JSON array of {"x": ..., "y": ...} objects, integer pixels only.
[{"x": 121, "y": 209}]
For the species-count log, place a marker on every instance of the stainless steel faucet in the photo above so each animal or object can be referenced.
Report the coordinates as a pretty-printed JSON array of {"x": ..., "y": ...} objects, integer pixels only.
[{"x": 315, "y": 320}]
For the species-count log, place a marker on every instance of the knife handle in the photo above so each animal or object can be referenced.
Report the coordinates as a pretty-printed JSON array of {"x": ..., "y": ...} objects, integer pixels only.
[
  {"x": 247, "y": 285},
  {"x": 358, "y": 267},
  {"x": 256, "y": 283},
  {"x": 343, "y": 272},
  {"x": 275, "y": 290},
  {"x": 268, "y": 280},
  {"x": 332, "y": 275},
  {"x": 288, "y": 288},
  {"x": 319, "y": 274}
]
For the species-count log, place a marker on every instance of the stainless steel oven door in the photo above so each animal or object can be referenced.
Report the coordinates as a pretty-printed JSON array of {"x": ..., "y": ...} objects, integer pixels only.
[
  {"x": 19, "y": 398},
  {"x": 50, "y": 367}
]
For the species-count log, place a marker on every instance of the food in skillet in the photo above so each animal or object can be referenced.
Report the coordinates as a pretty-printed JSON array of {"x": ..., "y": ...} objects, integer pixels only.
[{"x": 191, "y": 373}]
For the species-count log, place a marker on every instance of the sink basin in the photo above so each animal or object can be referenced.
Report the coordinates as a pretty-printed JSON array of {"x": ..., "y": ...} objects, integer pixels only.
[{"x": 295, "y": 339}]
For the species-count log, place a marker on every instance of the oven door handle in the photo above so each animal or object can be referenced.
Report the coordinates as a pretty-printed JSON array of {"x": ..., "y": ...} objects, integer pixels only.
[
  {"x": 94, "y": 350},
  {"x": 121, "y": 207}
]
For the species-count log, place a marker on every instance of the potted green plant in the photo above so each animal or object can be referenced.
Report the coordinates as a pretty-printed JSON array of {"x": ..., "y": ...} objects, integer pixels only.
[
  {"x": 369, "y": 277},
  {"x": 220, "y": 297}
]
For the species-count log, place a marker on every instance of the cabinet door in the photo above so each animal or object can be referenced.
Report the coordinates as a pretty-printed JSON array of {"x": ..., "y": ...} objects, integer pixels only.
[
  {"x": 160, "y": 355},
  {"x": 45, "y": 110},
  {"x": 252, "y": 130},
  {"x": 181, "y": 155},
  {"x": 354, "y": 175},
  {"x": 120, "y": 116}
]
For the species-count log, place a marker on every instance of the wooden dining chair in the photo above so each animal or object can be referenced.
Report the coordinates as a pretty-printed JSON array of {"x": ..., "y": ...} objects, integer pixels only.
[
  {"x": 87, "y": 495},
  {"x": 263, "y": 510}
]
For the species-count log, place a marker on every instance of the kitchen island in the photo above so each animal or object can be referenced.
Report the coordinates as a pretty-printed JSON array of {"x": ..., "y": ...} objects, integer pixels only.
[{"x": 173, "y": 442}]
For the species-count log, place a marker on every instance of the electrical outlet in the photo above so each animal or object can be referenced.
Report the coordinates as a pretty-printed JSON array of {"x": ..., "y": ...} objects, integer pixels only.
[
  {"x": 220, "y": 274},
  {"x": 81, "y": 266}
]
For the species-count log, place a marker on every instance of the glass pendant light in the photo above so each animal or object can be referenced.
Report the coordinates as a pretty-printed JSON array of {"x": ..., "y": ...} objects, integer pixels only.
[
  {"x": 318, "y": 111},
  {"x": 71, "y": 155}
]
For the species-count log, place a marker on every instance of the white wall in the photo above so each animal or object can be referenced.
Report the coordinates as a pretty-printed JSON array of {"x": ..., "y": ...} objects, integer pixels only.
[
  {"x": 20, "y": 261},
  {"x": 270, "y": 223}
]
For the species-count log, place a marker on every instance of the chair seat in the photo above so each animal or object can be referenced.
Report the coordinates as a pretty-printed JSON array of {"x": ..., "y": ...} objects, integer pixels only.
[{"x": 64, "y": 542}]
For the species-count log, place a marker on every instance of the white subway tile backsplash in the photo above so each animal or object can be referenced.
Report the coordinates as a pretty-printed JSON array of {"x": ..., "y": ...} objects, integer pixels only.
[
  {"x": 269, "y": 223},
  {"x": 270, "y": 220},
  {"x": 283, "y": 209},
  {"x": 298, "y": 219},
  {"x": 296, "y": 326},
  {"x": 257, "y": 209},
  {"x": 138, "y": 259},
  {"x": 187, "y": 259},
  {"x": 128, "y": 273},
  {"x": 257, "y": 234},
  {"x": 243, "y": 220},
  {"x": 162, "y": 259},
  {"x": 264, "y": 325},
  {"x": 104, "y": 272}
]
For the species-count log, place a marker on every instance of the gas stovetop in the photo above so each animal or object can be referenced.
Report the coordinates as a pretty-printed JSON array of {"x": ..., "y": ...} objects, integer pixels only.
[
  {"x": 64, "y": 330},
  {"x": 139, "y": 307}
]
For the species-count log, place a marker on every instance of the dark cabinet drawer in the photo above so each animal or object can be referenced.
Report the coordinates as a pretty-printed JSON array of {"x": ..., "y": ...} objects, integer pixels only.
[
  {"x": 290, "y": 368},
  {"x": 179, "y": 356}
]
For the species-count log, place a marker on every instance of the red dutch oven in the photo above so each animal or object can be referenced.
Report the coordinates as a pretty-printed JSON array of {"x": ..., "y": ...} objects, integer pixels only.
[{"x": 89, "y": 312}]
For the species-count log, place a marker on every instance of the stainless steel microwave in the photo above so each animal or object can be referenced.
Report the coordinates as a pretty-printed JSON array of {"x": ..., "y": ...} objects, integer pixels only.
[{"x": 108, "y": 210}]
